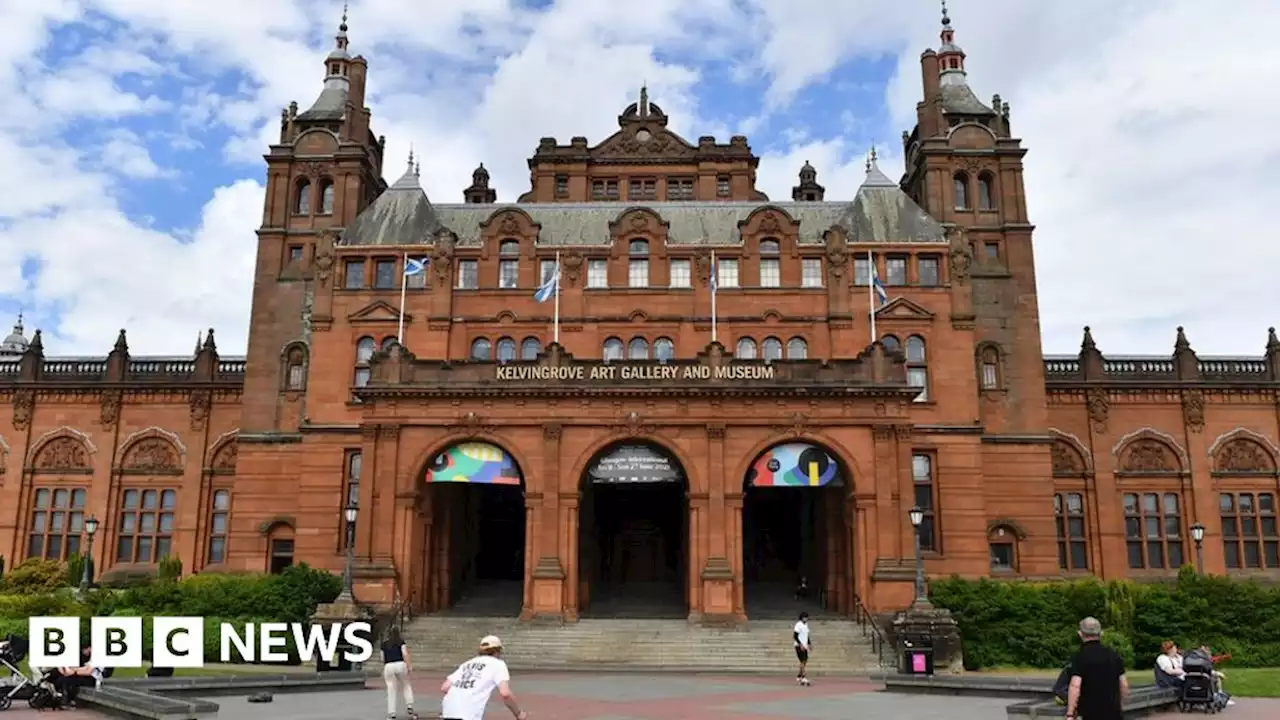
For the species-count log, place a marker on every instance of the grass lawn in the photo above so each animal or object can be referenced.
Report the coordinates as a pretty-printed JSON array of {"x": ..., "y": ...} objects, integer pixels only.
[{"x": 1241, "y": 682}]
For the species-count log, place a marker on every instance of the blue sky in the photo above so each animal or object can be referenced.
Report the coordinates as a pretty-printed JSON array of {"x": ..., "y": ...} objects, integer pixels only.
[{"x": 135, "y": 131}]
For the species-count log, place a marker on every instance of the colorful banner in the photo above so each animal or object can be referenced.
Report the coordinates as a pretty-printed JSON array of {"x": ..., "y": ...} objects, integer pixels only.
[
  {"x": 794, "y": 465},
  {"x": 474, "y": 462}
]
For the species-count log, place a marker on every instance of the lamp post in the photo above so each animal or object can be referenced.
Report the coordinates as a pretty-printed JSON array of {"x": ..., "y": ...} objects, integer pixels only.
[
  {"x": 347, "y": 595},
  {"x": 917, "y": 517},
  {"x": 1197, "y": 535},
  {"x": 86, "y": 577}
]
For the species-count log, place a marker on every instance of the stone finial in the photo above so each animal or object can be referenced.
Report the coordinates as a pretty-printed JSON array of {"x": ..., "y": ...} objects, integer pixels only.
[
  {"x": 199, "y": 342},
  {"x": 1088, "y": 345},
  {"x": 1181, "y": 344},
  {"x": 122, "y": 345},
  {"x": 1273, "y": 343},
  {"x": 37, "y": 343},
  {"x": 209, "y": 344}
]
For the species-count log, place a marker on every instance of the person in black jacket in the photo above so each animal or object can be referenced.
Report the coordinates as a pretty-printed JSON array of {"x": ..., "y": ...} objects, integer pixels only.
[{"x": 1098, "y": 683}]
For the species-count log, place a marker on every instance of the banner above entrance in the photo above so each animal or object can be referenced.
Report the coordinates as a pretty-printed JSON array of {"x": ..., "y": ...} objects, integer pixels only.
[
  {"x": 635, "y": 464},
  {"x": 794, "y": 465},
  {"x": 474, "y": 462}
]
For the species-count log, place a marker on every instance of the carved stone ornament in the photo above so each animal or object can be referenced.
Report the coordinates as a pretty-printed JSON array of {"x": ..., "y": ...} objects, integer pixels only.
[
  {"x": 837, "y": 254},
  {"x": 324, "y": 266},
  {"x": 881, "y": 409},
  {"x": 961, "y": 260},
  {"x": 797, "y": 424},
  {"x": 201, "y": 403},
  {"x": 551, "y": 432},
  {"x": 225, "y": 460},
  {"x": 1244, "y": 456},
  {"x": 1193, "y": 410},
  {"x": 903, "y": 432},
  {"x": 62, "y": 454},
  {"x": 1066, "y": 460},
  {"x": 1149, "y": 456},
  {"x": 973, "y": 164},
  {"x": 639, "y": 223},
  {"x": 442, "y": 254},
  {"x": 109, "y": 409},
  {"x": 1099, "y": 407},
  {"x": 151, "y": 455},
  {"x": 390, "y": 431},
  {"x": 509, "y": 225},
  {"x": 770, "y": 223},
  {"x": 702, "y": 266},
  {"x": 315, "y": 169},
  {"x": 633, "y": 425},
  {"x": 24, "y": 402},
  {"x": 715, "y": 431},
  {"x": 472, "y": 424},
  {"x": 882, "y": 433},
  {"x": 571, "y": 267}
]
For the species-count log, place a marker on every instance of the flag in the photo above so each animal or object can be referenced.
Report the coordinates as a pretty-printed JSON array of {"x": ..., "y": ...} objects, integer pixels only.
[
  {"x": 882, "y": 295},
  {"x": 415, "y": 267},
  {"x": 411, "y": 267},
  {"x": 714, "y": 282},
  {"x": 549, "y": 287}
]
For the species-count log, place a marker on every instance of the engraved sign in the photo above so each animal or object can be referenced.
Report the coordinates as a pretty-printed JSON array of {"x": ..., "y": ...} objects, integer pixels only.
[{"x": 619, "y": 372}]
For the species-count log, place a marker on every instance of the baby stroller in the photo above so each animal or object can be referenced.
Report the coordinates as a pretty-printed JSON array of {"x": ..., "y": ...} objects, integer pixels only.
[
  {"x": 1199, "y": 687},
  {"x": 17, "y": 686}
]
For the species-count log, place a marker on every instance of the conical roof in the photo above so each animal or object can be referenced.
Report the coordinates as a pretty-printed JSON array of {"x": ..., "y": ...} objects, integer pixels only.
[
  {"x": 400, "y": 216},
  {"x": 882, "y": 212}
]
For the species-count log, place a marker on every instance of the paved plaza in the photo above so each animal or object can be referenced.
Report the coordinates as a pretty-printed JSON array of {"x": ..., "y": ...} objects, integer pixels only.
[{"x": 617, "y": 696}]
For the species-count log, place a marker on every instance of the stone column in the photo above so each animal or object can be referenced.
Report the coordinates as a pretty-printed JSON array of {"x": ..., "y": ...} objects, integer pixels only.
[
  {"x": 1202, "y": 499},
  {"x": 717, "y": 574},
  {"x": 570, "y": 503},
  {"x": 734, "y": 502},
  {"x": 696, "y": 552}
]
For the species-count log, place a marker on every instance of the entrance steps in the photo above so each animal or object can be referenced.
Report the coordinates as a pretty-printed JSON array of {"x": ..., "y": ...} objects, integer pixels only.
[{"x": 841, "y": 647}]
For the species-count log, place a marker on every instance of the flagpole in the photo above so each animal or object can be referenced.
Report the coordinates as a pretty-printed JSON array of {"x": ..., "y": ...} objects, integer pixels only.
[
  {"x": 871, "y": 293},
  {"x": 404, "y": 284},
  {"x": 715, "y": 285},
  {"x": 556, "y": 315}
]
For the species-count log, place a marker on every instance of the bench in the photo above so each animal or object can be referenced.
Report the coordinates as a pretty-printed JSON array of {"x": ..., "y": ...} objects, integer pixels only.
[
  {"x": 1032, "y": 688},
  {"x": 1141, "y": 701},
  {"x": 249, "y": 682},
  {"x": 136, "y": 703}
]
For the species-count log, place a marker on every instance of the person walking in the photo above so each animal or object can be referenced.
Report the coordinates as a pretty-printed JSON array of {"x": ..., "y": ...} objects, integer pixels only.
[
  {"x": 396, "y": 666},
  {"x": 467, "y": 689},
  {"x": 1098, "y": 683},
  {"x": 800, "y": 636}
]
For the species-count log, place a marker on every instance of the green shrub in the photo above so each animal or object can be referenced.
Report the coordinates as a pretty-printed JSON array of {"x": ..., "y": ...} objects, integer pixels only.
[
  {"x": 170, "y": 569},
  {"x": 75, "y": 569},
  {"x": 34, "y": 576},
  {"x": 28, "y": 605},
  {"x": 128, "y": 577}
]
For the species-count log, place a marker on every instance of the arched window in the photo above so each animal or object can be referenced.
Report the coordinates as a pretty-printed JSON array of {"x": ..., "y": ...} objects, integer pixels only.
[
  {"x": 638, "y": 247},
  {"x": 986, "y": 192},
  {"x": 326, "y": 197},
  {"x": 295, "y": 369},
  {"x": 638, "y": 349},
  {"x": 612, "y": 349},
  {"x": 917, "y": 367},
  {"x": 481, "y": 350},
  {"x": 387, "y": 342},
  {"x": 1002, "y": 543},
  {"x": 506, "y": 350},
  {"x": 302, "y": 198},
  {"x": 891, "y": 344},
  {"x": 989, "y": 360},
  {"x": 364, "y": 350},
  {"x": 962, "y": 191},
  {"x": 797, "y": 349},
  {"x": 509, "y": 264},
  {"x": 769, "y": 247},
  {"x": 530, "y": 348},
  {"x": 770, "y": 264},
  {"x": 772, "y": 349},
  {"x": 638, "y": 265},
  {"x": 664, "y": 350},
  {"x": 746, "y": 349}
]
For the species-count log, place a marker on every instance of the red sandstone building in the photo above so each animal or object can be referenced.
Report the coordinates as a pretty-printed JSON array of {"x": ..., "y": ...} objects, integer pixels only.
[{"x": 652, "y": 456}]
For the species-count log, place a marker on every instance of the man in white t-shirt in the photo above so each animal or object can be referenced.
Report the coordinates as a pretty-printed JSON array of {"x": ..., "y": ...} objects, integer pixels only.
[
  {"x": 800, "y": 634},
  {"x": 467, "y": 689}
]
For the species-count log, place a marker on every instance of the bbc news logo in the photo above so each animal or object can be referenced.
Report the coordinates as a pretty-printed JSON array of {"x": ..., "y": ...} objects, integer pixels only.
[{"x": 178, "y": 642}]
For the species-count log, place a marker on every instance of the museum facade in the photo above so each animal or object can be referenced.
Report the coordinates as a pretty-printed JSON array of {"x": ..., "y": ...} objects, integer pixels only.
[{"x": 708, "y": 404}]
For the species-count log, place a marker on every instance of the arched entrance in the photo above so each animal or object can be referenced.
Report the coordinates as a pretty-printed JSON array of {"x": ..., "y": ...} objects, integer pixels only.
[
  {"x": 475, "y": 549},
  {"x": 793, "y": 531},
  {"x": 633, "y": 533}
]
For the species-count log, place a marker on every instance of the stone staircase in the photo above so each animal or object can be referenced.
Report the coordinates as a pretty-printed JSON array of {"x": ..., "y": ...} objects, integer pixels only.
[{"x": 841, "y": 647}]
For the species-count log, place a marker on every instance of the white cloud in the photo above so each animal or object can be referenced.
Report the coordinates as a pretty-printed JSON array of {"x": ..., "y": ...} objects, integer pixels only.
[{"x": 1148, "y": 127}]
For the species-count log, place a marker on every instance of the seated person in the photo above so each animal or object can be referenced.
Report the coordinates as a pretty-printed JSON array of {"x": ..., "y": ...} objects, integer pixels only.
[
  {"x": 802, "y": 589},
  {"x": 1169, "y": 672},
  {"x": 69, "y": 680}
]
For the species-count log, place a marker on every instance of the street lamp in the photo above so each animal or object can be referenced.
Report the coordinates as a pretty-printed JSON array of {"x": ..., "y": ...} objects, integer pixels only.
[
  {"x": 917, "y": 517},
  {"x": 349, "y": 513},
  {"x": 86, "y": 577},
  {"x": 1197, "y": 535}
]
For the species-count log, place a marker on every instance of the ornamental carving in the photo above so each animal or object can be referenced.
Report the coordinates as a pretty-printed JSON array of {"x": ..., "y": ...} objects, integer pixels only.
[
  {"x": 639, "y": 223},
  {"x": 442, "y": 254},
  {"x": 1244, "y": 456},
  {"x": 1099, "y": 407},
  {"x": 151, "y": 455},
  {"x": 315, "y": 169},
  {"x": 715, "y": 431},
  {"x": 770, "y": 223},
  {"x": 1149, "y": 456},
  {"x": 837, "y": 254},
  {"x": 702, "y": 266},
  {"x": 903, "y": 432},
  {"x": 571, "y": 266},
  {"x": 552, "y": 431},
  {"x": 109, "y": 409},
  {"x": 632, "y": 424},
  {"x": 961, "y": 262},
  {"x": 62, "y": 454},
  {"x": 201, "y": 404},
  {"x": 324, "y": 266},
  {"x": 882, "y": 433},
  {"x": 390, "y": 431},
  {"x": 1193, "y": 410},
  {"x": 797, "y": 425},
  {"x": 1066, "y": 460},
  {"x": 225, "y": 459},
  {"x": 509, "y": 225},
  {"x": 24, "y": 402},
  {"x": 472, "y": 424}
]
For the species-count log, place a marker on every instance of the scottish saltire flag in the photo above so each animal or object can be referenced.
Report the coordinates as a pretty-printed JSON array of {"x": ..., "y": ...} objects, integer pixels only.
[
  {"x": 415, "y": 267},
  {"x": 882, "y": 295},
  {"x": 715, "y": 273},
  {"x": 549, "y": 287}
]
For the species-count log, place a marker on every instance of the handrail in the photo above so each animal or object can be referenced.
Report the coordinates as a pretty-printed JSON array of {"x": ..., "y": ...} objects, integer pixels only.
[{"x": 867, "y": 623}]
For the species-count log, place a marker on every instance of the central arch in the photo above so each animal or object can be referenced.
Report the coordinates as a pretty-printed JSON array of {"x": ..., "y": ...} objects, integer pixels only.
[
  {"x": 475, "y": 554},
  {"x": 794, "y": 530},
  {"x": 633, "y": 543}
]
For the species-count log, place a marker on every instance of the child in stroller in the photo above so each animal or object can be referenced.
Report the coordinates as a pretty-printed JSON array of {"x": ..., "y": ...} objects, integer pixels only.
[
  {"x": 1200, "y": 687},
  {"x": 17, "y": 686}
]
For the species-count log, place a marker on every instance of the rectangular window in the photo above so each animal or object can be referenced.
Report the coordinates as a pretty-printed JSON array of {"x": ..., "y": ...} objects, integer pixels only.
[
  {"x": 895, "y": 271},
  {"x": 862, "y": 271},
  {"x": 545, "y": 270},
  {"x": 146, "y": 526},
  {"x": 642, "y": 189},
  {"x": 811, "y": 272},
  {"x": 57, "y": 521},
  {"x": 680, "y": 189},
  {"x": 922, "y": 476},
  {"x": 1001, "y": 556},
  {"x": 993, "y": 251},
  {"x": 1250, "y": 538},
  {"x": 918, "y": 377},
  {"x": 724, "y": 188},
  {"x": 1153, "y": 531},
  {"x": 727, "y": 273},
  {"x": 681, "y": 274},
  {"x": 771, "y": 273},
  {"x": 508, "y": 274},
  {"x": 990, "y": 376},
  {"x": 353, "y": 275},
  {"x": 597, "y": 273},
  {"x": 468, "y": 275},
  {"x": 218, "y": 523},
  {"x": 1073, "y": 541},
  {"x": 562, "y": 186},
  {"x": 638, "y": 274},
  {"x": 604, "y": 190},
  {"x": 353, "y": 464},
  {"x": 416, "y": 281},
  {"x": 295, "y": 253},
  {"x": 928, "y": 267},
  {"x": 384, "y": 274}
]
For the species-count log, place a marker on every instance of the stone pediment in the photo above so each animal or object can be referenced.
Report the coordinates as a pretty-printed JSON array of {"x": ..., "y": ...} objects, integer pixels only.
[
  {"x": 903, "y": 309},
  {"x": 644, "y": 144},
  {"x": 377, "y": 311}
]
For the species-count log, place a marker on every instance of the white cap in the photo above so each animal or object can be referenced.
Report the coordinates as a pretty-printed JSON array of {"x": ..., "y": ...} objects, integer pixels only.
[{"x": 489, "y": 642}]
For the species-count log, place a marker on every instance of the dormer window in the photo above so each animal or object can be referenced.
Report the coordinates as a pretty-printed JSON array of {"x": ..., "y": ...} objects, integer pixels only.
[
  {"x": 509, "y": 264},
  {"x": 638, "y": 266},
  {"x": 770, "y": 264}
]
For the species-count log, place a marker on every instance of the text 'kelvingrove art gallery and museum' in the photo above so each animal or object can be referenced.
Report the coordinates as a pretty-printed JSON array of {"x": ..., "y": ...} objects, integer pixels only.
[{"x": 644, "y": 383}]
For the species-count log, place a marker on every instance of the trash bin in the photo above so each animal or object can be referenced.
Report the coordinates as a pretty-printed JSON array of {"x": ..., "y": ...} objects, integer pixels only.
[{"x": 917, "y": 655}]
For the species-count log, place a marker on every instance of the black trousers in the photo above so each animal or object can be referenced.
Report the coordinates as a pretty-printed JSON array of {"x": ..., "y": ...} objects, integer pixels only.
[{"x": 69, "y": 685}]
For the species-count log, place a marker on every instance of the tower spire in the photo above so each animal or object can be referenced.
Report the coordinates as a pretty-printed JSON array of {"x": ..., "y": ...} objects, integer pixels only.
[
  {"x": 644, "y": 99},
  {"x": 341, "y": 37},
  {"x": 950, "y": 56}
]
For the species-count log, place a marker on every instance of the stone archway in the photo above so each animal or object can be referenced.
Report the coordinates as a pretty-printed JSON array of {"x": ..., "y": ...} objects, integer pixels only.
[
  {"x": 796, "y": 554},
  {"x": 633, "y": 545},
  {"x": 474, "y": 551}
]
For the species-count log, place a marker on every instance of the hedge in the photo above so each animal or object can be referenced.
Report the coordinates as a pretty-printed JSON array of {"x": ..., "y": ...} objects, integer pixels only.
[{"x": 1033, "y": 624}]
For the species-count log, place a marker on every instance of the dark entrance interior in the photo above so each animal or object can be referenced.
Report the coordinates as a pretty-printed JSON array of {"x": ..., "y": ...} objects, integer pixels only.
[
  {"x": 633, "y": 528},
  {"x": 787, "y": 526}
]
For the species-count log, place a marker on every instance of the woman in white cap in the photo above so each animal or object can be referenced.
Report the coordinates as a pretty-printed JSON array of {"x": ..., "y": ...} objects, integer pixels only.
[{"x": 467, "y": 689}]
